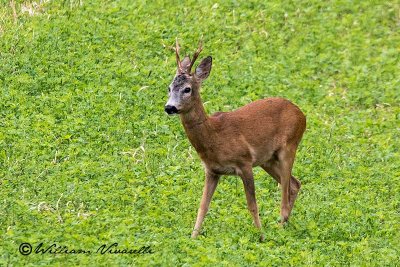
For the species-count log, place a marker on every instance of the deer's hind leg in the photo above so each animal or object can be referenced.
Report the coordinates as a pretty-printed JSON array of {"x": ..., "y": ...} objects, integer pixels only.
[{"x": 280, "y": 168}]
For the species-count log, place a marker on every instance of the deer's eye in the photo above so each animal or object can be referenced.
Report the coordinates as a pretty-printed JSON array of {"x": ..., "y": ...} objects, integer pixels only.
[{"x": 187, "y": 90}]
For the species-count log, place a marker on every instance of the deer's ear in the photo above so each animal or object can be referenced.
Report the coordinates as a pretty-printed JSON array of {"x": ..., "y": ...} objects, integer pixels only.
[
  {"x": 203, "y": 70},
  {"x": 185, "y": 63}
]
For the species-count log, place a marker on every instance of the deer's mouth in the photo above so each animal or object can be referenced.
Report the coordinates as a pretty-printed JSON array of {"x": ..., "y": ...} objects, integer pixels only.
[{"x": 171, "y": 110}]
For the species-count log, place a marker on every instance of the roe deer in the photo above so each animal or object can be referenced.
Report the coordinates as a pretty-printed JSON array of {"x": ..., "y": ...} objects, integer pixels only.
[{"x": 264, "y": 133}]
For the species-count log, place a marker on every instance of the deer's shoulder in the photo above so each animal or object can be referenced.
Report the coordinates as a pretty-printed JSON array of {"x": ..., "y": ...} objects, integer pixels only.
[{"x": 218, "y": 114}]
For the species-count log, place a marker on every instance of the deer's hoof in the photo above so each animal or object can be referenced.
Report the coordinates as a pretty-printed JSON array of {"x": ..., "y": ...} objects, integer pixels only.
[
  {"x": 262, "y": 238},
  {"x": 285, "y": 215},
  {"x": 195, "y": 233}
]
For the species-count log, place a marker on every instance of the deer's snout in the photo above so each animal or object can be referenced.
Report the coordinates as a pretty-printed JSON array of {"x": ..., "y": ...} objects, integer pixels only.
[{"x": 171, "y": 109}]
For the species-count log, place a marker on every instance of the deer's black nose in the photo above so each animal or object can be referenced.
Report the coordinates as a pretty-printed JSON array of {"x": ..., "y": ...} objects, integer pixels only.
[{"x": 170, "y": 109}]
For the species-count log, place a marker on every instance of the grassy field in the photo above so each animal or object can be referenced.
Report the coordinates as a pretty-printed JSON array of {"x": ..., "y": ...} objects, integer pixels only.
[{"x": 88, "y": 156}]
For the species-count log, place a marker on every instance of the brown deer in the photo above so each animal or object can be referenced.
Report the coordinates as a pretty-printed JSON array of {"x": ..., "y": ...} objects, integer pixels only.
[{"x": 264, "y": 133}]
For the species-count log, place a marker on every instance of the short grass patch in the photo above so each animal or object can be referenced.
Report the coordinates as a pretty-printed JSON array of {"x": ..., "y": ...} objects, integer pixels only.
[{"x": 88, "y": 156}]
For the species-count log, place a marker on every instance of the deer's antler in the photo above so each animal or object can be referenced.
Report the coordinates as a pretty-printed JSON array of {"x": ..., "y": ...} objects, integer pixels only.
[
  {"x": 186, "y": 68},
  {"x": 178, "y": 61},
  {"x": 196, "y": 54}
]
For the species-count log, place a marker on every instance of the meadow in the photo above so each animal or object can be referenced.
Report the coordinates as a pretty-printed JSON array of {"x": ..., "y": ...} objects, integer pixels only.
[{"x": 89, "y": 157}]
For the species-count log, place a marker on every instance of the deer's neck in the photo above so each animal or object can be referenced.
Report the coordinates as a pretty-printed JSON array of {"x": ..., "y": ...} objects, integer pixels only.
[{"x": 197, "y": 126}]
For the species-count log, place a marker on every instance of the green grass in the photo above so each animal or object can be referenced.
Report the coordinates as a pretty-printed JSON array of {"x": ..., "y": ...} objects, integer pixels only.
[{"x": 88, "y": 156}]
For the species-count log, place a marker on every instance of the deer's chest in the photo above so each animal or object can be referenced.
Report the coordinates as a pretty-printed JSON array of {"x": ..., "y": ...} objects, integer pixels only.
[
  {"x": 221, "y": 161},
  {"x": 220, "y": 167},
  {"x": 224, "y": 170}
]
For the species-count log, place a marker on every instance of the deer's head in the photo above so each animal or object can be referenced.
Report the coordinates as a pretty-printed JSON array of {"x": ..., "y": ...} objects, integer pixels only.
[{"x": 184, "y": 90}]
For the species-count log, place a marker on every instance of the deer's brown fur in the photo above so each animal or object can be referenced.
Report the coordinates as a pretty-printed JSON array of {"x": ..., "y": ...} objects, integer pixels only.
[{"x": 264, "y": 133}]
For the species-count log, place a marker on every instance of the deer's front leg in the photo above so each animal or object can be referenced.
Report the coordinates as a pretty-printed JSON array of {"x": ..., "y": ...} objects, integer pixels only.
[
  {"x": 210, "y": 184},
  {"x": 248, "y": 182}
]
